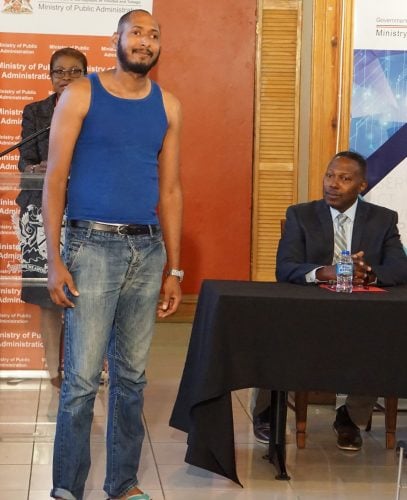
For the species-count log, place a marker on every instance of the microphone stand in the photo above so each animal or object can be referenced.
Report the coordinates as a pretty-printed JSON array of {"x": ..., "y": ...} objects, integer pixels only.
[{"x": 27, "y": 139}]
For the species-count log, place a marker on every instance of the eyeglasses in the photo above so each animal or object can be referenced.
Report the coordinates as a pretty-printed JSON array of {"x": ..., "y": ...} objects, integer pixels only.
[{"x": 62, "y": 73}]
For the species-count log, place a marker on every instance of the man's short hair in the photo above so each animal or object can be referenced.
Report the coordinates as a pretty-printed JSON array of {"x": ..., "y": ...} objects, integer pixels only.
[
  {"x": 353, "y": 155},
  {"x": 125, "y": 18}
]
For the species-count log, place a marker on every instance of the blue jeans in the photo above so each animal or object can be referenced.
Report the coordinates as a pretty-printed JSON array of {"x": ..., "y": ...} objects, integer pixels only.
[{"x": 119, "y": 279}]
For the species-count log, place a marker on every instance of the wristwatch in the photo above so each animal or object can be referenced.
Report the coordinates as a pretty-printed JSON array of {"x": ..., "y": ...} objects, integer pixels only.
[{"x": 179, "y": 273}]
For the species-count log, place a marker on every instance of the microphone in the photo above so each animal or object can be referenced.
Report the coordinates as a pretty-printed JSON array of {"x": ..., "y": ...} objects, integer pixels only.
[{"x": 27, "y": 139}]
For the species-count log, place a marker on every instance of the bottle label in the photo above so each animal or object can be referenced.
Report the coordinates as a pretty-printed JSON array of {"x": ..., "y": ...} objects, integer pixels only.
[{"x": 344, "y": 269}]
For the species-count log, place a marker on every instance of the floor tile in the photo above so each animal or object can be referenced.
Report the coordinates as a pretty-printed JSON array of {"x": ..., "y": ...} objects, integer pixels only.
[
  {"x": 163, "y": 433},
  {"x": 14, "y": 477},
  {"x": 15, "y": 495},
  {"x": 40, "y": 495},
  {"x": 187, "y": 476},
  {"x": 42, "y": 454},
  {"x": 20, "y": 406},
  {"x": 15, "y": 453},
  {"x": 242, "y": 494},
  {"x": 169, "y": 453},
  {"x": 41, "y": 476},
  {"x": 17, "y": 428}
]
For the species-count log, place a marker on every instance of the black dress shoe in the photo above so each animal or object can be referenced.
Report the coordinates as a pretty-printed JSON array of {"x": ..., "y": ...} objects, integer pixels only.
[
  {"x": 348, "y": 433},
  {"x": 261, "y": 430}
]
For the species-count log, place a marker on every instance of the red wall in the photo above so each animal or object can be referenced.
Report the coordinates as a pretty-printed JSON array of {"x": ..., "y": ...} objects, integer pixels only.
[{"x": 208, "y": 62}]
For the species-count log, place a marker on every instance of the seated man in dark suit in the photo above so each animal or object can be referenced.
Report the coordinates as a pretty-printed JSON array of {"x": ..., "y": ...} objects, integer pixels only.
[{"x": 308, "y": 250}]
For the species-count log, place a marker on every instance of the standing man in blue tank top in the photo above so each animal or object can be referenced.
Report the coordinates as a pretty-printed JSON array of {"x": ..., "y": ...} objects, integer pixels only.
[{"x": 116, "y": 136}]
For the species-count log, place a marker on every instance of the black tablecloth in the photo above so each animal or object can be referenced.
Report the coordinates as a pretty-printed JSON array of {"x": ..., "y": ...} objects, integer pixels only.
[{"x": 283, "y": 337}]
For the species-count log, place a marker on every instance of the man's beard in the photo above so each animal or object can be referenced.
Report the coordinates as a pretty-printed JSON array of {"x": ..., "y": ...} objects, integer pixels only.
[{"x": 139, "y": 68}]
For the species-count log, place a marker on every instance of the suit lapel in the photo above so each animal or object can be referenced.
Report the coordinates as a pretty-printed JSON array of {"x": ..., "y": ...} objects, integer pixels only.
[
  {"x": 325, "y": 218},
  {"x": 359, "y": 225}
]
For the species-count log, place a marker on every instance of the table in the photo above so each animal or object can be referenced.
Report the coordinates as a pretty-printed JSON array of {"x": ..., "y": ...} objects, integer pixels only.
[{"x": 286, "y": 338}]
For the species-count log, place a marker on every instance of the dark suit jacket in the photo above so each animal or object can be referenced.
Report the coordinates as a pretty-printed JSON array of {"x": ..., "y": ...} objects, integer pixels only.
[
  {"x": 308, "y": 242},
  {"x": 36, "y": 116}
]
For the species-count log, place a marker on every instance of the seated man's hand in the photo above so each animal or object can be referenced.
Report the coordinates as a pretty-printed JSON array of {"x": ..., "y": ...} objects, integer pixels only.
[
  {"x": 326, "y": 273},
  {"x": 362, "y": 272}
]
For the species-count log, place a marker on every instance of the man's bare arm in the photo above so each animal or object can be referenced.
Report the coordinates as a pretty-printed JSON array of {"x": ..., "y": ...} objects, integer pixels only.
[
  {"x": 171, "y": 205},
  {"x": 65, "y": 127}
]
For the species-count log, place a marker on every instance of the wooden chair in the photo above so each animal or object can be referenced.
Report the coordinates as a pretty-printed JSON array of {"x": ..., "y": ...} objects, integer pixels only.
[
  {"x": 390, "y": 418},
  {"x": 301, "y": 407}
]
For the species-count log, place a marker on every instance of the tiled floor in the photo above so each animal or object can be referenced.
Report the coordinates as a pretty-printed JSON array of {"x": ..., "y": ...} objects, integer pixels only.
[{"x": 321, "y": 471}]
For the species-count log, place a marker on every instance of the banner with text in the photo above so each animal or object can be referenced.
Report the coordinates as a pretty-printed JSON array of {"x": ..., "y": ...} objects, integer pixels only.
[{"x": 379, "y": 101}]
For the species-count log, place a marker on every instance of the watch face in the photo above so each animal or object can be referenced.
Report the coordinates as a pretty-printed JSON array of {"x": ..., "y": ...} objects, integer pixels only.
[{"x": 178, "y": 273}]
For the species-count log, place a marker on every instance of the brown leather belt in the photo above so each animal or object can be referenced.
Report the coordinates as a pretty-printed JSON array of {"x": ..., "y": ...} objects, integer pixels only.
[{"x": 129, "y": 229}]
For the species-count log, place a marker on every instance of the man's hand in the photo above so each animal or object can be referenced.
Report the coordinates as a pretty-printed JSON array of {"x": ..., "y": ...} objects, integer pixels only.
[
  {"x": 172, "y": 297},
  {"x": 326, "y": 273},
  {"x": 362, "y": 272},
  {"x": 58, "y": 277}
]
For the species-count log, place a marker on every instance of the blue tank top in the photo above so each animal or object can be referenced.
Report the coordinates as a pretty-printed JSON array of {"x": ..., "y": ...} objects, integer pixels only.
[{"x": 114, "y": 171}]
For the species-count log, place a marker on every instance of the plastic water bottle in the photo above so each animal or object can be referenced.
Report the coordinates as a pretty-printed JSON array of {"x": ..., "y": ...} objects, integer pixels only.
[{"x": 344, "y": 273}]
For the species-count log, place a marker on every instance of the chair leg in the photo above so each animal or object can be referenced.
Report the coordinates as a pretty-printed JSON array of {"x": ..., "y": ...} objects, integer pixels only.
[
  {"x": 369, "y": 425},
  {"x": 301, "y": 406},
  {"x": 391, "y": 421}
]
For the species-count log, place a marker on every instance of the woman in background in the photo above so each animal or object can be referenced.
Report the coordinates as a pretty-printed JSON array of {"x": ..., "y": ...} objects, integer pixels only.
[{"x": 66, "y": 65}]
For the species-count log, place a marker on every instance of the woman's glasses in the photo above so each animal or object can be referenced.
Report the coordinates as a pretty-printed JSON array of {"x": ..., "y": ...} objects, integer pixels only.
[{"x": 63, "y": 73}]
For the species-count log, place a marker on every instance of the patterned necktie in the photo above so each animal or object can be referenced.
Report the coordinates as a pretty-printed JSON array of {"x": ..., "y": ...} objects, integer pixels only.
[{"x": 340, "y": 237}]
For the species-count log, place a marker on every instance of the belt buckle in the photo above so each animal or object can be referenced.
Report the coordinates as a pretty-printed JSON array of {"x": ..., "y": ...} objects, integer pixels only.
[{"x": 122, "y": 229}]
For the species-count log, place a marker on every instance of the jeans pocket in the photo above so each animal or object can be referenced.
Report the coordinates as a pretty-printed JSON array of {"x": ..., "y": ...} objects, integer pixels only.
[{"x": 72, "y": 251}]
